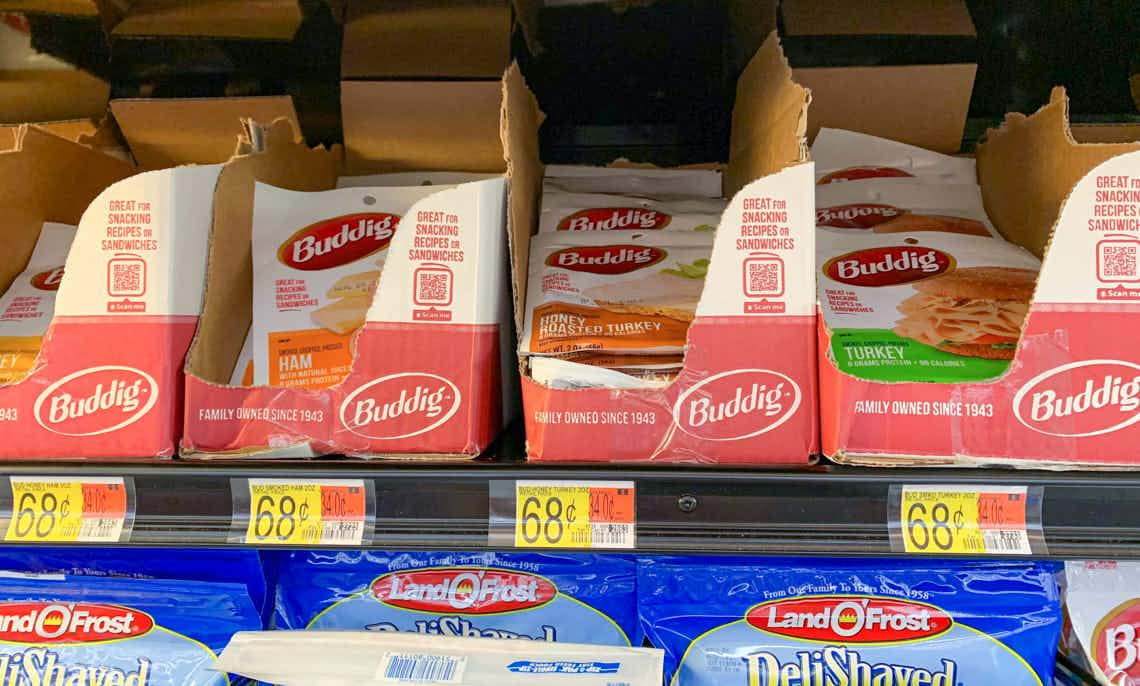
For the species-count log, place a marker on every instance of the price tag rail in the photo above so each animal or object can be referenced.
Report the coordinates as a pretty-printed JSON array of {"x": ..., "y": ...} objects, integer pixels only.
[{"x": 828, "y": 511}]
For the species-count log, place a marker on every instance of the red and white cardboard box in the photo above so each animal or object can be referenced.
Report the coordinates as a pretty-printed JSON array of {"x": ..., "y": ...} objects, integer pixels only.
[
  {"x": 1071, "y": 397},
  {"x": 747, "y": 392},
  {"x": 107, "y": 382},
  {"x": 426, "y": 376}
]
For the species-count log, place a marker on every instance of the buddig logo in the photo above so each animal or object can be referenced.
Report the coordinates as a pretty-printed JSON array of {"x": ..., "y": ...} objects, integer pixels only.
[
  {"x": 606, "y": 259},
  {"x": 400, "y": 405},
  {"x": 1086, "y": 398},
  {"x": 48, "y": 280},
  {"x": 846, "y": 620},
  {"x": 96, "y": 401},
  {"x": 338, "y": 241},
  {"x": 860, "y": 173},
  {"x": 858, "y": 216},
  {"x": 52, "y": 623},
  {"x": 615, "y": 219},
  {"x": 1116, "y": 645},
  {"x": 737, "y": 404},
  {"x": 887, "y": 266}
]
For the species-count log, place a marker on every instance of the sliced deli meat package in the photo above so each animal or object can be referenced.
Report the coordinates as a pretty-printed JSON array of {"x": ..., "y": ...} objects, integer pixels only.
[
  {"x": 902, "y": 207},
  {"x": 614, "y": 292},
  {"x": 926, "y": 306},
  {"x": 413, "y": 178},
  {"x": 1101, "y": 597},
  {"x": 317, "y": 262},
  {"x": 27, "y": 306},
  {"x": 647, "y": 182},
  {"x": 849, "y": 156},
  {"x": 555, "y": 372},
  {"x": 610, "y": 212}
]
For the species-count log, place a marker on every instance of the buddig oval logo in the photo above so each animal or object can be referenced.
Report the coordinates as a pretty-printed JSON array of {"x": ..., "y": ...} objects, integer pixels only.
[
  {"x": 860, "y": 173},
  {"x": 606, "y": 259},
  {"x": 400, "y": 405},
  {"x": 615, "y": 219},
  {"x": 96, "y": 400},
  {"x": 338, "y": 241},
  {"x": 48, "y": 280},
  {"x": 850, "y": 619},
  {"x": 467, "y": 590},
  {"x": 887, "y": 266},
  {"x": 53, "y": 623},
  {"x": 1116, "y": 644},
  {"x": 1086, "y": 398},
  {"x": 737, "y": 404},
  {"x": 857, "y": 216}
]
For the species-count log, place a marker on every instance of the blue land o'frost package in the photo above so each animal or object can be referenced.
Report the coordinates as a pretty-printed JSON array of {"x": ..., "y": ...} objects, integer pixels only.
[
  {"x": 536, "y": 596},
  {"x": 724, "y": 621},
  {"x": 59, "y": 630}
]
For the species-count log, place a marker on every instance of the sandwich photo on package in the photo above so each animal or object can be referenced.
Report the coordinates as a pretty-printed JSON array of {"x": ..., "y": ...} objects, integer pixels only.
[
  {"x": 317, "y": 259},
  {"x": 27, "y": 306},
  {"x": 605, "y": 212},
  {"x": 841, "y": 156},
  {"x": 627, "y": 292},
  {"x": 927, "y": 306},
  {"x": 325, "y": 658}
]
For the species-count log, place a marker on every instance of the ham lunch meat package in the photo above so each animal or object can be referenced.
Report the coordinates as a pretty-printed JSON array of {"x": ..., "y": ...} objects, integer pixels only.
[{"x": 978, "y": 321}]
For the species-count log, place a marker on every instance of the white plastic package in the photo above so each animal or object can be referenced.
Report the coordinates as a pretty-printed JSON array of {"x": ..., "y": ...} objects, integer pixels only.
[
  {"x": 443, "y": 178},
  {"x": 361, "y": 658},
  {"x": 610, "y": 212},
  {"x": 849, "y": 156},
  {"x": 1104, "y": 613},
  {"x": 643, "y": 182}
]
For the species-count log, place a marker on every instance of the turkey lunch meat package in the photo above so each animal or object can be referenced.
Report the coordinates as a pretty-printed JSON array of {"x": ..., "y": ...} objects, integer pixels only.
[
  {"x": 850, "y": 156},
  {"x": 542, "y": 597},
  {"x": 344, "y": 658},
  {"x": 1104, "y": 613},
  {"x": 64, "y": 630},
  {"x": 755, "y": 622}
]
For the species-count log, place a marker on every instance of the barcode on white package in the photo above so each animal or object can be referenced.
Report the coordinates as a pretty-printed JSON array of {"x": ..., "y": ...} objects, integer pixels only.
[{"x": 421, "y": 668}]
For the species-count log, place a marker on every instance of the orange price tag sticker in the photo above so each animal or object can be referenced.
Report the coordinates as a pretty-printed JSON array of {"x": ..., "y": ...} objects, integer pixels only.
[
  {"x": 573, "y": 514},
  {"x": 68, "y": 510},
  {"x": 302, "y": 512},
  {"x": 971, "y": 520}
]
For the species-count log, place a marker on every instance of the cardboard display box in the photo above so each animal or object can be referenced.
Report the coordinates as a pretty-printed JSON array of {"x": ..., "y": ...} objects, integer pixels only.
[
  {"x": 1071, "y": 397},
  {"x": 870, "y": 65},
  {"x": 747, "y": 393}
]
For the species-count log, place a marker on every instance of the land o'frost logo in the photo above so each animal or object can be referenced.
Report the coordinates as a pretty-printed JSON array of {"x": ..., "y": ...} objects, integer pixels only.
[
  {"x": 615, "y": 219},
  {"x": 400, "y": 405},
  {"x": 850, "y": 619},
  {"x": 1116, "y": 646},
  {"x": 737, "y": 404},
  {"x": 338, "y": 241},
  {"x": 1086, "y": 398},
  {"x": 96, "y": 400},
  {"x": 464, "y": 590},
  {"x": 54, "y": 623},
  {"x": 606, "y": 259}
]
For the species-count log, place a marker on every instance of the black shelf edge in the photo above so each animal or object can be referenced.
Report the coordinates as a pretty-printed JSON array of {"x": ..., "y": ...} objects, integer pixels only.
[{"x": 825, "y": 511}]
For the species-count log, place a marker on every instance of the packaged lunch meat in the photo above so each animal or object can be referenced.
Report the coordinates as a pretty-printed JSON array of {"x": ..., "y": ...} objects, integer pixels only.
[
  {"x": 608, "y": 212},
  {"x": 27, "y": 306},
  {"x": 614, "y": 292},
  {"x": 647, "y": 182},
  {"x": 529, "y": 596},
  {"x": 901, "y": 207},
  {"x": 806, "y": 622},
  {"x": 849, "y": 156},
  {"x": 555, "y": 372},
  {"x": 317, "y": 259},
  {"x": 1103, "y": 602},
  {"x": 436, "y": 179},
  {"x": 345, "y": 658}
]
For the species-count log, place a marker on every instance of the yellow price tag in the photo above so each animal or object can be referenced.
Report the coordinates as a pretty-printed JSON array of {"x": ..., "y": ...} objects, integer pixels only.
[
  {"x": 67, "y": 510},
  {"x": 562, "y": 514},
  {"x": 964, "y": 521},
  {"x": 299, "y": 512}
]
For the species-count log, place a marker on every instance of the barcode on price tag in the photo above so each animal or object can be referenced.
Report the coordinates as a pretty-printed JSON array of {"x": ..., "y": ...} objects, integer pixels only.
[
  {"x": 420, "y": 668},
  {"x": 44, "y": 509},
  {"x": 333, "y": 512},
  {"x": 967, "y": 520},
  {"x": 567, "y": 514}
]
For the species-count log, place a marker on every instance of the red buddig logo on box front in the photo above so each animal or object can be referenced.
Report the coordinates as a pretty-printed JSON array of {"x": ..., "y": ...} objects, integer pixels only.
[
  {"x": 887, "y": 266},
  {"x": 472, "y": 591},
  {"x": 1086, "y": 398},
  {"x": 737, "y": 404},
  {"x": 48, "y": 280},
  {"x": 400, "y": 405},
  {"x": 606, "y": 259},
  {"x": 96, "y": 400},
  {"x": 55, "y": 623},
  {"x": 338, "y": 241},
  {"x": 1116, "y": 646},
  {"x": 858, "y": 216},
  {"x": 615, "y": 218}
]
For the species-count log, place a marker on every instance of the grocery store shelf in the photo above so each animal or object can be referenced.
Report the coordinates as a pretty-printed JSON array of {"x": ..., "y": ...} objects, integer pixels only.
[{"x": 824, "y": 511}]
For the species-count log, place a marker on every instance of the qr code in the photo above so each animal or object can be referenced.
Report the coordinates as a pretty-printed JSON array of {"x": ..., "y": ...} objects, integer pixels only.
[
  {"x": 126, "y": 278},
  {"x": 1118, "y": 262},
  {"x": 433, "y": 288},
  {"x": 764, "y": 278}
]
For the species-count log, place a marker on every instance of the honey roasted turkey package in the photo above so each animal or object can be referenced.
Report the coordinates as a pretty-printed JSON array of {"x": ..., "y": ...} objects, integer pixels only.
[{"x": 317, "y": 259}]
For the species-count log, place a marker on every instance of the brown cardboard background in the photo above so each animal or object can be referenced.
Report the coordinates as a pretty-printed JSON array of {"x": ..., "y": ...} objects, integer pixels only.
[
  {"x": 876, "y": 17},
  {"x": 164, "y": 132},
  {"x": 1106, "y": 133},
  {"x": 520, "y": 121},
  {"x": 258, "y": 19},
  {"x": 51, "y": 95}
]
